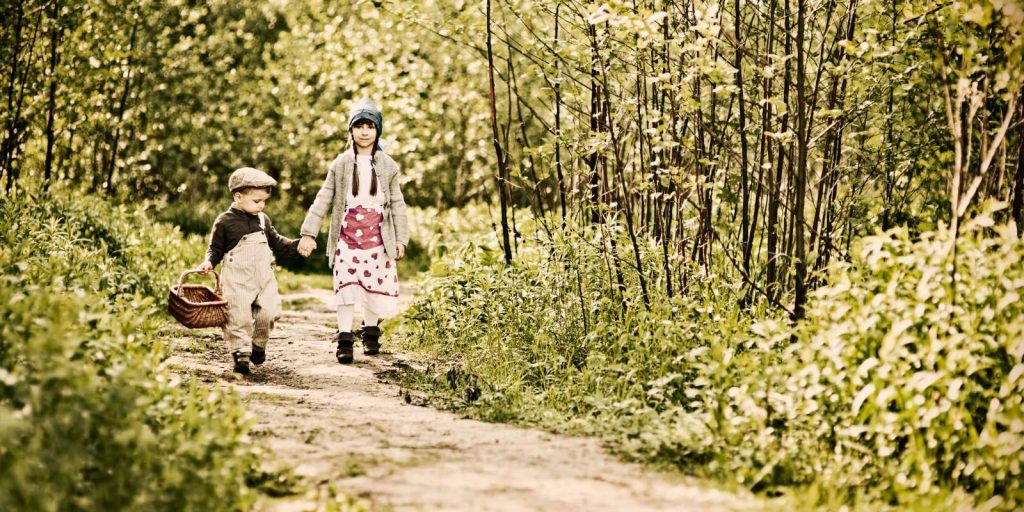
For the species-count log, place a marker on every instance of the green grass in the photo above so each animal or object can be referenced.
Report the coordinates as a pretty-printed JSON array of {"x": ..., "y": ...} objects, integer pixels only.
[
  {"x": 300, "y": 302},
  {"x": 293, "y": 282}
]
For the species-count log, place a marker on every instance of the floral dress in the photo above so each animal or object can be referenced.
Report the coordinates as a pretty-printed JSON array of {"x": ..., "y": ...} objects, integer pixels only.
[{"x": 363, "y": 272}]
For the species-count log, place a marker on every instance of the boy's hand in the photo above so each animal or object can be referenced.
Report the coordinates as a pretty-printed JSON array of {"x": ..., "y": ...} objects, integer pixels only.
[
  {"x": 205, "y": 267},
  {"x": 307, "y": 245},
  {"x": 401, "y": 252}
]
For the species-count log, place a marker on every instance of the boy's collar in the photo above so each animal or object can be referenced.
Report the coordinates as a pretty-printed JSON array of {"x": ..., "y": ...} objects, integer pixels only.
[{"x": 236, "y": 209}]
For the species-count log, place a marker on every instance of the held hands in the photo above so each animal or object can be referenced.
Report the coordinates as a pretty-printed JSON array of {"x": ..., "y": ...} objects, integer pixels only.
[
  {"x": 205, "y": 267},
  {"x": 307, "y": 245}
]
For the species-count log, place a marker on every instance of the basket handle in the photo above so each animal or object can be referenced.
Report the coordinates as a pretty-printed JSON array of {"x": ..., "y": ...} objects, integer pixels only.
[{"x": 216, "y": 276}]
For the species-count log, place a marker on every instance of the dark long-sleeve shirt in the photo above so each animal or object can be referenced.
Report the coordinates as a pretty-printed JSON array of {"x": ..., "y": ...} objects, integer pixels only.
[{"x": 233, "y": 224}]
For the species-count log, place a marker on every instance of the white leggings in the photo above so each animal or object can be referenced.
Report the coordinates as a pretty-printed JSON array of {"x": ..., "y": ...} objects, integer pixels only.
[{"x": 346, "y": 312}]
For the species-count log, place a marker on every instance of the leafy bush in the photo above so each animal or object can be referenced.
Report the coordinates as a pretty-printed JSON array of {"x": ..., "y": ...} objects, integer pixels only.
[
  {"x": 911, "y": 365},
  {"x": 552, "y": 332},
  {"x": 903, "y": 383},
  {"x": 89, "y": 420}
]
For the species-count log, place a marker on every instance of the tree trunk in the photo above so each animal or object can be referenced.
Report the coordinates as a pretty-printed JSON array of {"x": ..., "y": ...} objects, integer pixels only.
[
  {"x": 121, "y": 107},
  {"x": 558, "y": 122},
  {"x": 1017, "y": 209},
  {"x": 51, "y": 105},
  {"x": 775, "y": 189},
  {"x": 800, "y": 183},
  {"x": 595, "y": 102},
  {"x": 502, "y": 171},
  {"x": 746, "y": 232}
]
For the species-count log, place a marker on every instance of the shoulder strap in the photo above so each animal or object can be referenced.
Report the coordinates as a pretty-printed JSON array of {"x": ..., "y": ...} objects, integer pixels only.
[{"x": 263, "y": 221}]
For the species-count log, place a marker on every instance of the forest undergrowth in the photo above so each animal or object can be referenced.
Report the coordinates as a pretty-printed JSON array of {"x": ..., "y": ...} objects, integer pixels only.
[
  {"x": 901, "y": 386},
  {"x": 90, "y": 418}
]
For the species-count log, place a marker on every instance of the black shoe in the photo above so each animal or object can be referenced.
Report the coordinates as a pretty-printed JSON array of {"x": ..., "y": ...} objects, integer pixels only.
[
  {"x": 241, "y": 363},
  {"x": 344, "y": 341},
  {"x": 259, "y": 355},
  {"x": 371, "y": 340}
]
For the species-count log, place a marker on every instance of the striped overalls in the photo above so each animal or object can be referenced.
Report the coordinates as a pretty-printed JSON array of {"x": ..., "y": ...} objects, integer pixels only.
[{"x": 251, "y": 291}]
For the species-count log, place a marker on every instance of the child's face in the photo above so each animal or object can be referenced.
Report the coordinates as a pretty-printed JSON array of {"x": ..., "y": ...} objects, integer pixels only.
[
  {"x": 252, "y": 200},
  {"x": 364, "y": 133}
]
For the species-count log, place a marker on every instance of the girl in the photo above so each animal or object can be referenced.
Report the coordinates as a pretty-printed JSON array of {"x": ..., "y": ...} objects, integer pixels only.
[{"x": 369, "y": 230}]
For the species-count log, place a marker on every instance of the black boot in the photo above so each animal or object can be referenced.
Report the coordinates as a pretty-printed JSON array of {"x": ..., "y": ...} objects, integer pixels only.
[
  {"x": 371, "y": 340},
  {"x": 259, "y": 355},
  {"x": 241, "y": 363},
  {"x": 344, "y": 341}
]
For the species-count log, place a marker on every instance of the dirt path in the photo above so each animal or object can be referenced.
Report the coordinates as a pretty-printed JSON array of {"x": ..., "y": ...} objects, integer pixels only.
[{"x": 341, "y": 427}]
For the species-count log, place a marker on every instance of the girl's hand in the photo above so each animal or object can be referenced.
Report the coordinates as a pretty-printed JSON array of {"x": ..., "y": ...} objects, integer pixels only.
[
  {"x": 205, "y": 267},
  {"x": 307, "y": 245},
  {"x": 401, "y": 252}
]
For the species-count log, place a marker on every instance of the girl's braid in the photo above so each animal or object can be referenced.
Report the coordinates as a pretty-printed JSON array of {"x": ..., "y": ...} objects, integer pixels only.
[{"x": 373, "y": 168}]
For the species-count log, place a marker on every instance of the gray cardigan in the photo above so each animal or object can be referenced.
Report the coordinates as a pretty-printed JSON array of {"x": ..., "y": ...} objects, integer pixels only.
[{"x": 333, "y": 196}]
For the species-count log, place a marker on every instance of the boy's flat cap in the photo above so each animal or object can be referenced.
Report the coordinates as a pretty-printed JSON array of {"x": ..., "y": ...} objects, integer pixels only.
[{"x": 249, "y": 177}]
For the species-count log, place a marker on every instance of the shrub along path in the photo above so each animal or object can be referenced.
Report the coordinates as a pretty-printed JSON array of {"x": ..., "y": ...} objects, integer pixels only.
[{"x": 343, "y": 427}]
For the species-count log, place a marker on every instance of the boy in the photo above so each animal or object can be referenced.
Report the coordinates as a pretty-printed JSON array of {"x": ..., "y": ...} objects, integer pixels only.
[{"x": 245, "y": 241}]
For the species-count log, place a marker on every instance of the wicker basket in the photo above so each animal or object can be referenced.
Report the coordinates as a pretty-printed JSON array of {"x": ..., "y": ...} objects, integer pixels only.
[{"x": 197, "y": 306}]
